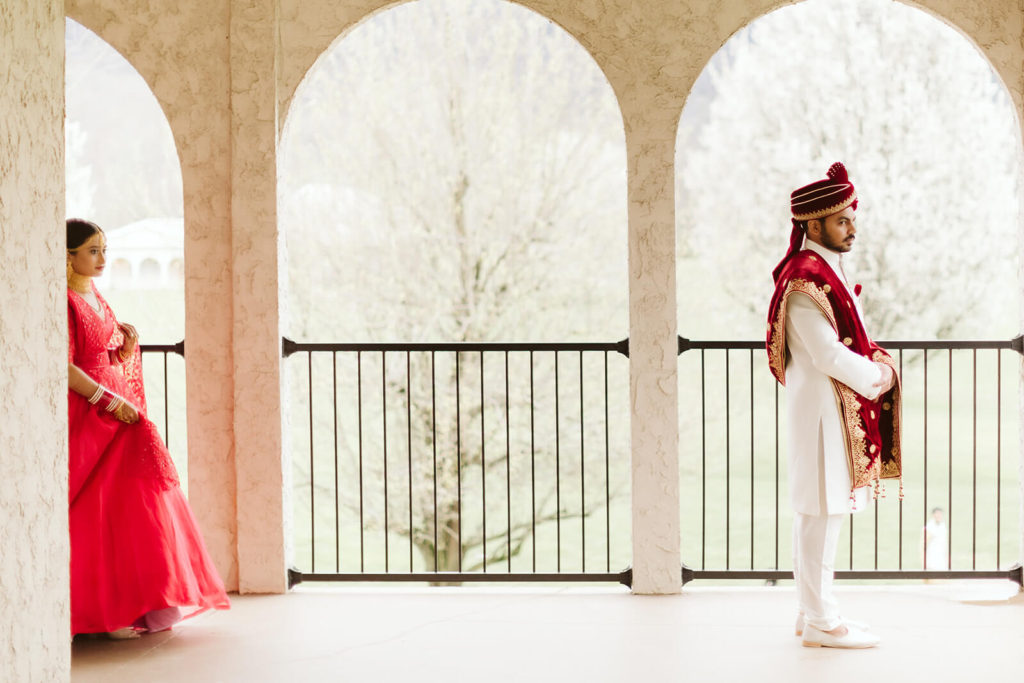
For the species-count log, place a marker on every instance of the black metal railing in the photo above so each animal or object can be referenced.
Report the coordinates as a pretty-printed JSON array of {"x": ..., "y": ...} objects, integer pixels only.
[
  {"x": 164, "y": 396},
  {"x": 383, "y": 425},
  {"x": 163, "y": 369},
  {"x": 459, "y": 462},
  {"x": 960, "y": 413}
]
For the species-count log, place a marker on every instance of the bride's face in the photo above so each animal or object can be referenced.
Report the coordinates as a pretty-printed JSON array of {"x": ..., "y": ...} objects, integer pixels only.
[{"x": 90, "y": 258}]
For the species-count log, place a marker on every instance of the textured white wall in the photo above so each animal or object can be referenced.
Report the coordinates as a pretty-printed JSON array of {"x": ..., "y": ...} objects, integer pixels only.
[{"x": 35, "y": 620}]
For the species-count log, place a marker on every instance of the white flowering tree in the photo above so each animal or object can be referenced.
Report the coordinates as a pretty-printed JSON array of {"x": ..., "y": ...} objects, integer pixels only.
[
  {"x": 78, "y": 184},
  {"x": 453, "y": 170},
  {"x": 122, "y": 158},
  {"x": 927, "y": 132}
]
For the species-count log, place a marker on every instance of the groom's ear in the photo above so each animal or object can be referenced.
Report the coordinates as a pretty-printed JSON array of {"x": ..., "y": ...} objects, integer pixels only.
[{"x": 814, "y": 227}]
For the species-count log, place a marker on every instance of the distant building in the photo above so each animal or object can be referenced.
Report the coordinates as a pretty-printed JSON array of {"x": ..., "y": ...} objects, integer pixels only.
[{"x": 146, "y": 254}]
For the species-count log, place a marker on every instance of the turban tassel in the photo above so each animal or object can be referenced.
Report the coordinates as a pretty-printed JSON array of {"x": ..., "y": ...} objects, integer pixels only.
[{"x": 796, "y": 240}]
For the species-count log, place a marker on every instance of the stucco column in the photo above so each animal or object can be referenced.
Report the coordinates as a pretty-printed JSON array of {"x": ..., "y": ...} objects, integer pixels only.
[
  {"x": 1020, "y": 327},
  {"x": 34, "y": 602},
  {"x": 653, "y": 389},
  {"x": 199, "y": 113},
  {"x": 259, "y": 462}
]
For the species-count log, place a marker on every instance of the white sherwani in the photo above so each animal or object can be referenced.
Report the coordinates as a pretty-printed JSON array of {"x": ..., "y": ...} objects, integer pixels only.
[{"x": 819, "y": 469}]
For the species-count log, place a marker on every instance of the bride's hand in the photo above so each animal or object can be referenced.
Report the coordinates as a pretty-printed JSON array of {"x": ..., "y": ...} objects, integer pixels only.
[
  {"x": 131, "y": 339},
  {"x": 127, "y": 413}
]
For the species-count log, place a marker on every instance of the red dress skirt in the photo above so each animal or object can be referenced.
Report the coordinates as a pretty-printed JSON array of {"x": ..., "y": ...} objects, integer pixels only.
[{"x": 135, "y": 547}]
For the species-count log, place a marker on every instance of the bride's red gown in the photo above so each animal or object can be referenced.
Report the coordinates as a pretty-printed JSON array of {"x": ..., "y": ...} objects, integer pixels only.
[{"x": 135, "y": 546}]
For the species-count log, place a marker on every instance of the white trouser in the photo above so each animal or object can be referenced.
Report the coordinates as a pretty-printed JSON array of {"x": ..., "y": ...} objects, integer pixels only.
[{"x": 815, "y": 540}]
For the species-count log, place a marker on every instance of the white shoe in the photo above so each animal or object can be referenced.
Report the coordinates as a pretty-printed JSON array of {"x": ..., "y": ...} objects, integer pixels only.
[
  {"x": 853, "y": 640},
  {"x": 848, "y": 622}
]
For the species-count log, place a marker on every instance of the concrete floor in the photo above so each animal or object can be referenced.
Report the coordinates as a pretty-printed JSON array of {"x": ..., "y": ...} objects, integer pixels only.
[{"x": 971, "y": 631}]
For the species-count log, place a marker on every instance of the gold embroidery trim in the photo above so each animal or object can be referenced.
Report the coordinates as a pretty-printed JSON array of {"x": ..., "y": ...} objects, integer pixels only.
[
  {"x": 777, "y": 345},
  {"x": 893, "y": 469},
  {"x": 862, "y": 471},
  {"x": 821, "y": 213}
]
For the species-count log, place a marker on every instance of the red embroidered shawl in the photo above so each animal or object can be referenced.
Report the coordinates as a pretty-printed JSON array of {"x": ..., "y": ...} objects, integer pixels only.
[{"x": 871, "y": 428}]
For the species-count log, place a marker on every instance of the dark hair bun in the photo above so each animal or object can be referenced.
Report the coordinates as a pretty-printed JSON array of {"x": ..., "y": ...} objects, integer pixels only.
[{"x": 79, "y": 232}]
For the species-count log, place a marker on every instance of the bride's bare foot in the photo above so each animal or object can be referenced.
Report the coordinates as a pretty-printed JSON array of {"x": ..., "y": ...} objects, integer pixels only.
[
  {"x": 839, "y": 631},
  {"x": 126, "y": 633}
]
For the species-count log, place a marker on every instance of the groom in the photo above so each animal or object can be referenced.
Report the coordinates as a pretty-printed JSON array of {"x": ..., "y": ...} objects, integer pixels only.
[{"x": 842, "y": 394}]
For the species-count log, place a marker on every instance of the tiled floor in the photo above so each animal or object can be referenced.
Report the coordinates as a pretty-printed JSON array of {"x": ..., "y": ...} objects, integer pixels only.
[{"x": 950, "y": 632}]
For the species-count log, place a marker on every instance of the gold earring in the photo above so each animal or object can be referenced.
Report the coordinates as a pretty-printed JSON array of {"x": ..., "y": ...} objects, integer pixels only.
[{"x": 71, "y": 271}]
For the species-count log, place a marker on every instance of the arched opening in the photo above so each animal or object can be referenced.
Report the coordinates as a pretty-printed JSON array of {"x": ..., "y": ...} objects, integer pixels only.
[
  {"x": 176, "y": 273},
  {"x": 455, "y": 171},
  {"x": 122, "y": 172},
  {"x": 121, "y": 273},
  {"x": 930, "y": 137},
  {"x": 149, "y": 274}
]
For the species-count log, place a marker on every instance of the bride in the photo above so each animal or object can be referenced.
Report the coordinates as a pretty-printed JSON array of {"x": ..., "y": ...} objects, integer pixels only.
[{"x": 138, "y": 562}]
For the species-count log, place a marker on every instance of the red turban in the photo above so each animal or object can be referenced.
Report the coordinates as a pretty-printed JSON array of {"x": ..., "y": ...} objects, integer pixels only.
[{"x": 817, "y": 200}]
